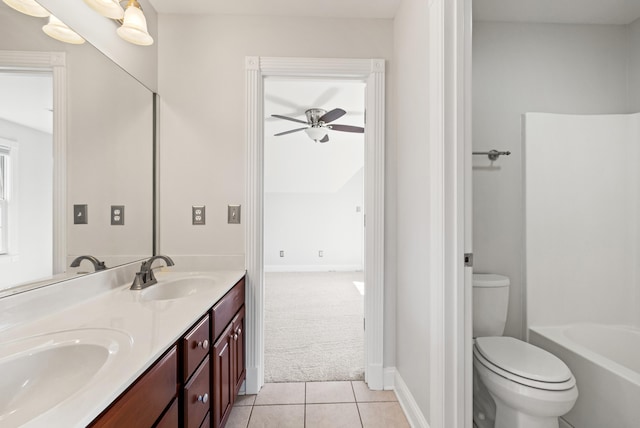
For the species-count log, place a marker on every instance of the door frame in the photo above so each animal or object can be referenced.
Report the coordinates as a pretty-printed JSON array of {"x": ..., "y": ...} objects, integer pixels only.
[
  {"x": 56, "y": 63},
  {"x": 371, "y": 71}
]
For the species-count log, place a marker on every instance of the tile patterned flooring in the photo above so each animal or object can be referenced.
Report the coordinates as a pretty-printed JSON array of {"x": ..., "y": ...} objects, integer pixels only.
[{"x": 341, "y": 404}]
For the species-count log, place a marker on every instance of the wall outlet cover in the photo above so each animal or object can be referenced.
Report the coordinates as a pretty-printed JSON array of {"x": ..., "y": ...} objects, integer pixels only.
[
  {"x": 198, "y": 215},
  {"x": 117, "y": 215}
]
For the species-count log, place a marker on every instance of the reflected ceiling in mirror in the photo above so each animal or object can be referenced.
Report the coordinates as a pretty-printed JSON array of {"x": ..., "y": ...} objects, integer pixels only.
[{"x": 107, "y": 162}]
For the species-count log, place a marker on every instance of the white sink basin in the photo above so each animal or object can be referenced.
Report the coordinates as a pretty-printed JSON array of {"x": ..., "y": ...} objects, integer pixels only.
[
  {"x": 168, "y": 289},
  {"x": 42, "y": 371}
]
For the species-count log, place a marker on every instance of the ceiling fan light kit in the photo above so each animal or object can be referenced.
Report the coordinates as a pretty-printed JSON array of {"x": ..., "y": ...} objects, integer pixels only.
[{"x": 318, "y": 123}]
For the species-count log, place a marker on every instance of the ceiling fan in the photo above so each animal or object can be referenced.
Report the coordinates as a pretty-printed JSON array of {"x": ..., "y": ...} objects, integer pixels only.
[{"x": 318, "y": 122}]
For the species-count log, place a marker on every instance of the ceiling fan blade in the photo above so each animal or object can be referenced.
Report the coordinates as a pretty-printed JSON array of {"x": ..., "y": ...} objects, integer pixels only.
[
  {"x": 332, "y": 115},
  {"x": 289, "y": 118},
  {"x": 289, "y": 132},
  {"x": 324, "y": 139},
  {"x": 346, "y": 128}
]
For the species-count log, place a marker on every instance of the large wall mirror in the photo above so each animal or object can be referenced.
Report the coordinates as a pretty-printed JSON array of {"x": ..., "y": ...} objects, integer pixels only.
[{"x": 108, "y": 159}]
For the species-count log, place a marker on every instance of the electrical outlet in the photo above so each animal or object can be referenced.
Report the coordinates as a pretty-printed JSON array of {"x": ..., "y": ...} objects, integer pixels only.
[
  {"x": 117, "y": 215},
  {"x": 80, "y": 214},
  {"x": 233, "y": 214},
  {"x": 320, "y": 253},
  {"x": 281, "y": 253},
  {"x": 198, "y": 214}
]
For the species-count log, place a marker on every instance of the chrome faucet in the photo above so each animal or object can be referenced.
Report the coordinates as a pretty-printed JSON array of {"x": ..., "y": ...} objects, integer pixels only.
[
  {"x": 97, "y": 264},
  {"x": 145, "y": 277}
]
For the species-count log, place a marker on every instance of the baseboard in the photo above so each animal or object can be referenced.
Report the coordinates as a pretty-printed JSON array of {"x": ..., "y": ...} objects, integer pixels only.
[
  {"x": 389, "y": 377},
  {"x": 408, "y": 403},
  {"x": 251, "y": 384},
  {"x": 313, "y": 268},
  {"x": 564, "y": 424}
]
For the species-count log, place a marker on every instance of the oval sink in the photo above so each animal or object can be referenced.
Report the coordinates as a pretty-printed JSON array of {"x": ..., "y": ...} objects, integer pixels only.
[
  {"x": 177, "y": 288},
  {"x": 42, "y": 371}
]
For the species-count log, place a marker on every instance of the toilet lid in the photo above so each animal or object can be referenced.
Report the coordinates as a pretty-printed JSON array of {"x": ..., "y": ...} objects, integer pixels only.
[{"x": 523, "y": 359}]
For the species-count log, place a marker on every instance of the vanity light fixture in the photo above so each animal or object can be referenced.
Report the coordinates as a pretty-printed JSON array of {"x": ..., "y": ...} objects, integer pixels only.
[
  {"x": 134, "y": 27},
  {"x": 28, "y": 7},
  {"x": 58, "y": 30},
  {"x": 107, "y": 8}
]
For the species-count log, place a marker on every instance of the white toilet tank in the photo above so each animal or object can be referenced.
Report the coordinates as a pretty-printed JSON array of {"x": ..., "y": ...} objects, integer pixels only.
[{"x": 490, "y": 304}]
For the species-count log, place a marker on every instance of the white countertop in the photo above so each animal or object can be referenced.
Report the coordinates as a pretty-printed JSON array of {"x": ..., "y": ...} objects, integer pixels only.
[{"x": 148, "y": 329}]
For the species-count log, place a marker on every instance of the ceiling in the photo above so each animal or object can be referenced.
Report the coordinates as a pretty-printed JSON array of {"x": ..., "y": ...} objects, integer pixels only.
[
  {"x": 31, "y": 95},
  {"x": 558, "y": 11},
  {"x": 552, "y": 11},
  {"x": 325, "y": 8},
  {"x": 296, "y": 164}
]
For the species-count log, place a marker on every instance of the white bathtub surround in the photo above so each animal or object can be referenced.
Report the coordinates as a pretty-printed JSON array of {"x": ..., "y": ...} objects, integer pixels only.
[
  {"x": 581, "y": 200},
  {"x": 95, "y": 307},
  {"x": 605, "y": 360}
]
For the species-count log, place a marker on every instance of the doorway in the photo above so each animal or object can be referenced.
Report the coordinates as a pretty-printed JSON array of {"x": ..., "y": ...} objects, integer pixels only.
[
  {"x": 373, "y": 73},
  {"x": 313, "y": 232}
]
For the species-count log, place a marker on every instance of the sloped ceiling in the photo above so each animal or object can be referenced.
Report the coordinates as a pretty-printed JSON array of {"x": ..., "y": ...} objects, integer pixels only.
[{"x": 294, "y": 163}]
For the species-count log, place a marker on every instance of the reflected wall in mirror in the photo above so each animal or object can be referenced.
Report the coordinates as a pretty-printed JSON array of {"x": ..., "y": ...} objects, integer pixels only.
[{"x": 108, "y": 160}]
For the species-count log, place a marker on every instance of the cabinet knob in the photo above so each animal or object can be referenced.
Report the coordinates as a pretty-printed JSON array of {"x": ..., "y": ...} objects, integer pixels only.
[
  {"x": 204, "y": 344},
  {"x": 239, "y": 331},
  {"x": 235, "y": 336},
  {"x": 203, "y": 398}
]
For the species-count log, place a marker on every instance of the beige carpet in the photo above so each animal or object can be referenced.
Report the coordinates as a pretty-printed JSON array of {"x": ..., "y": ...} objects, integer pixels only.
[{"x": 313, "y": 327}]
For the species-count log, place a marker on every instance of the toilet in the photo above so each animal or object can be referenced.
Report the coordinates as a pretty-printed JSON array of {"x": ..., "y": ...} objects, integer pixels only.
[{"x": 516, "y": 384}]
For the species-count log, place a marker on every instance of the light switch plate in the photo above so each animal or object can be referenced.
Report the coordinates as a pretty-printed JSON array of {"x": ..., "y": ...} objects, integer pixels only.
[
  {"x": 117, "y": 215},
  {"x": 198, "y": 215},
  {"x": 233, "y": 214},
  {"x": 80, "y": 214}
]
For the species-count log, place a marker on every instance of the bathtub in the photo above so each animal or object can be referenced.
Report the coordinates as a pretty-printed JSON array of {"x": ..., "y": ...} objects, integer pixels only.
[{"x": 605, "y": 361}]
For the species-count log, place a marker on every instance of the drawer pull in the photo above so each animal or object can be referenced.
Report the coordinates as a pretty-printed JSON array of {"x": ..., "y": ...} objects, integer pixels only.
[
  {"x": 235, "y": 336},
  {"x": 203, "y": 398},
  {"x": 204, "y": 344},
  {"x": 239, "y": 331}
]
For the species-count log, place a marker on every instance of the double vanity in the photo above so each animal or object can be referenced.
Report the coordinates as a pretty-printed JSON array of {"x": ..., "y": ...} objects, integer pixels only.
[{"x": 93, "y": 352}]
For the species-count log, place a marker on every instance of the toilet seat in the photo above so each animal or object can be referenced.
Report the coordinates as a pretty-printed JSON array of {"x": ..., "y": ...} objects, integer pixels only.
[{"x": 523, "y": 363}]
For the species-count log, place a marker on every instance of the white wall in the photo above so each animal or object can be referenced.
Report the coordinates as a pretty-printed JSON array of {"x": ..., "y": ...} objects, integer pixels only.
[
  {"x": 410, "y": 68},
  {"x": 302, "y": 224},
  {"x": 203, "y": 156},
  {"x": 582, "y": 218},
  {"x": 633, "y": 31},
  {"x": 520, "y": 68},
  {"x": 31, "y": 248}
]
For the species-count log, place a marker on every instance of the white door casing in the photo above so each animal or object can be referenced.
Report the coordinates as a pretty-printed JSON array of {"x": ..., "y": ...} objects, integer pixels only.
[
  {"x": 56, "y": 62},
  {"x": 371, "y": 71}
]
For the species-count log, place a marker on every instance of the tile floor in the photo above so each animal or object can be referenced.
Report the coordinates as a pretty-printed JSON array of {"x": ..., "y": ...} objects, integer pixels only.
[{"x": 318, "y": 405}]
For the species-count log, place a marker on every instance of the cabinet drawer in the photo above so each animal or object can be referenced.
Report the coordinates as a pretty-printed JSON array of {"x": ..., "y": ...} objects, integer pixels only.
[
  {"x": 195, "y": 346},
  {"x": 224, "y": 311},
  {"x": 144, "y": 402},
  {"x": 197, "y": 396}
]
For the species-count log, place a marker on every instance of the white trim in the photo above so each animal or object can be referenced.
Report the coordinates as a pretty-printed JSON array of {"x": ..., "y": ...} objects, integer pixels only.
[
  {"x": 313, "y": 268},
  {"x": 372, "y": 71},
  {"x": 409, "y": 405},
  {"x": 389, "y": 378},
  {"x": 449, "y": 298},
  {"x": 55, "y": 61}
]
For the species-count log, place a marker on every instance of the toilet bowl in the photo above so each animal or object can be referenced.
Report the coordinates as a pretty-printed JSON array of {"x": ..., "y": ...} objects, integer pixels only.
[
  {"x": 531, "y": 387},
  {"x": 527, "y": 387}
]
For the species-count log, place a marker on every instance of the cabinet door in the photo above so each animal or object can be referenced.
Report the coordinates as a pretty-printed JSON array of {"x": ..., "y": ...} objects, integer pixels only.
[
  {"x": 238, "y": 373},
  {"x": 222, "y": 384}
]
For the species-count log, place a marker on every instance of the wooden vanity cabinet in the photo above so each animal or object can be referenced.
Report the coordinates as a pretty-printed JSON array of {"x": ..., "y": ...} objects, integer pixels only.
[
  {"x": 146, "y": 400},
  {"x": 228, "y": 355},
  {"x": 195, "y": 383}
]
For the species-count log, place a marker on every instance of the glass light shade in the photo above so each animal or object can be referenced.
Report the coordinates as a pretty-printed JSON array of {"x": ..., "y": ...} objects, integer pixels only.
[
  {"x": 28, "y": 7},
  {"x": 134, "y": 27},
  {"x": 59, "y": 31},
  {"x": 316, "y": 133},
  {"x": 107, "y": 8}
]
